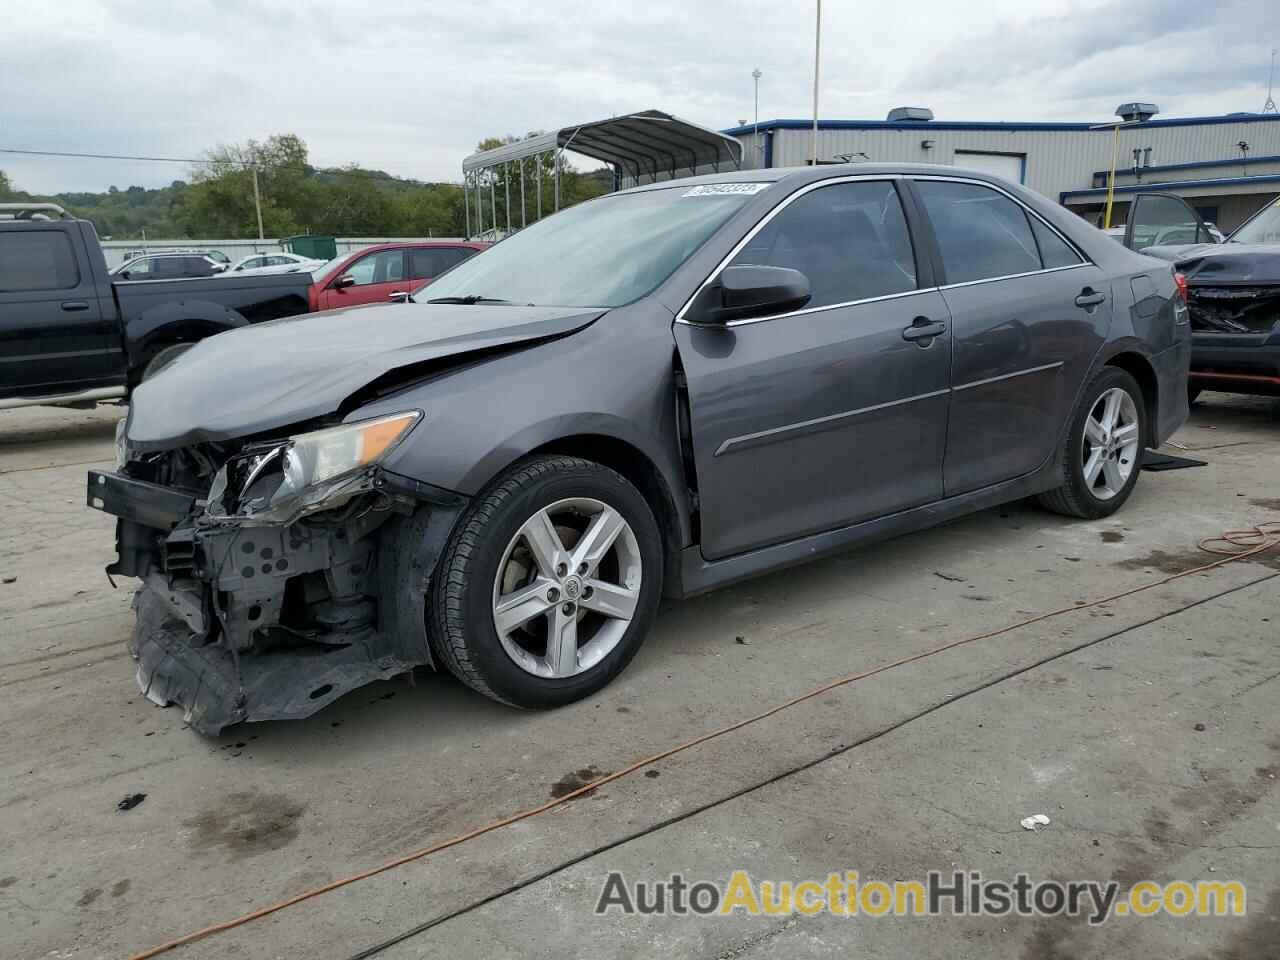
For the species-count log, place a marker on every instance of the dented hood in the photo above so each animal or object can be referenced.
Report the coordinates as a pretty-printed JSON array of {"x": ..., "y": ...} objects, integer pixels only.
[
  {"x": 1209, "y": 264},
  {"x": 270, "y": 375}
]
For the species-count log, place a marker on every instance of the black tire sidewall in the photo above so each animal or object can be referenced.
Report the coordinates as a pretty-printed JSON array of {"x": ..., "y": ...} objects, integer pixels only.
[
  {"x": 498, "y": 671},
  {"x": 1105, "y": 380}
]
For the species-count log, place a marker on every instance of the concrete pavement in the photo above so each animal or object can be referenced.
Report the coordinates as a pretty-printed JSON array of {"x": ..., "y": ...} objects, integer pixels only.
[{"x": 1090, "y": 718}]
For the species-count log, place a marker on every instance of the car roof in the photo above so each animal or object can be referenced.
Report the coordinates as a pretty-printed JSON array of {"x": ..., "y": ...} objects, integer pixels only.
[{"x": 824, "y": 171}]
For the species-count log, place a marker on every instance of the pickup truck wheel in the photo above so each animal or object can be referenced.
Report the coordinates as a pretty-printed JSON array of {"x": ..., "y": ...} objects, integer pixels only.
[
  {"x": 549, "y": 584},
  {"x": 162, "y": 358},
  {"x": 1103, "y": 450}
]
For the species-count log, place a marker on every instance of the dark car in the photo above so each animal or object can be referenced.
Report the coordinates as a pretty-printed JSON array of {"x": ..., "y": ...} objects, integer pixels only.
[
  {"x": 1233, "y": 292},
  {"x": 72, "y": 334},
  {"x": 660, "y": 391}
]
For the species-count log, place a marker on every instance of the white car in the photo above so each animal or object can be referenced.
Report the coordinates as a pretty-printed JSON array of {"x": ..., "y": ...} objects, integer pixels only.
[
  {"x": 1164, "y": 236},
  {"x": 275, "y": 263}
]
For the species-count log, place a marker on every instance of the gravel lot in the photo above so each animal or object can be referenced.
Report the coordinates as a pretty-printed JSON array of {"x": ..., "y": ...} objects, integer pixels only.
[{"x": 1147, "y": 730}]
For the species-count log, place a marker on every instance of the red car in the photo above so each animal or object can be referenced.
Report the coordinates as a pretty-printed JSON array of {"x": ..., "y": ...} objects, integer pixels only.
[{"x": 375, "y": 274}]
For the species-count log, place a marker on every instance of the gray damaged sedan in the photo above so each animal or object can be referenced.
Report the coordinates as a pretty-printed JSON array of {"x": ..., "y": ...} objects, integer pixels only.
[{"x": 652, "y": 394}]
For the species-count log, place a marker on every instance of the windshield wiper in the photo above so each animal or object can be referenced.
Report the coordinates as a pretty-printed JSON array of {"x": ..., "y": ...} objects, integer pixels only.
[{"x": 470, "y": 299}]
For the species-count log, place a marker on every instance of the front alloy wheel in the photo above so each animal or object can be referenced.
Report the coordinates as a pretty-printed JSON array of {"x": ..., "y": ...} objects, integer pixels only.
[
  {"x": 567, "y": 587},
  {"x": 549, "y": 583}
]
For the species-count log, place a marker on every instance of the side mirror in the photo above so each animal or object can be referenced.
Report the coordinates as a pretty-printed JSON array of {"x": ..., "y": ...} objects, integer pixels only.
[
  {"x": 344, "y": 281},
  {"x": 743, "y": 292}
]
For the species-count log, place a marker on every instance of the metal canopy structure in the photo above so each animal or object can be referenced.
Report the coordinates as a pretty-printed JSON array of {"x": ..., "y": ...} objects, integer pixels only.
[{"x": 640, "y": 147}]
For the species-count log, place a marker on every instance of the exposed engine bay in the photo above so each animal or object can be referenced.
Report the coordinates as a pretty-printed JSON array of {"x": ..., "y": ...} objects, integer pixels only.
[{"x": 275, "y": 577}]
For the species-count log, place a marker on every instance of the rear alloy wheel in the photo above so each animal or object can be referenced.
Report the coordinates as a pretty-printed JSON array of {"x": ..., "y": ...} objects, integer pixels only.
[
  {"x": 549, "y": 585},
  {"x": 1104, "y": 448}
]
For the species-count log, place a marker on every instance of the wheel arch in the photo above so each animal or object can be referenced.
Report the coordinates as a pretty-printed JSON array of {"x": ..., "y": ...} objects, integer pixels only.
[
  {"x": 642, "y": 473},
  {"x": 1140, "y": 368}
]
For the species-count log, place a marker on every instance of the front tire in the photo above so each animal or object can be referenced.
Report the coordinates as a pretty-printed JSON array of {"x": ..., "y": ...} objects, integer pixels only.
[
  {"x": 549, "y": 584},
  {"x": 1103, "y": 451}
]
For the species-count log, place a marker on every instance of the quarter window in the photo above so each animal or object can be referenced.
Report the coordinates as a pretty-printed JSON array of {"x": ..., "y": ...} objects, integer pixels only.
[
  {"x": 849, "y": 239},
  {"x": 37, "y": 260},
  {"x": 981, "y": 233},
  {"x": 1054, "y": 251}
]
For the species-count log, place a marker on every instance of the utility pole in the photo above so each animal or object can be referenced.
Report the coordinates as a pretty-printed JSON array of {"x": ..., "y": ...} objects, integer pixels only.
[
  {"x": 755, "y": 133},
  {"x": 1270, "y": 105},
  {"x": 817, "y": 52},
  {"x": 257, "y": 202}
]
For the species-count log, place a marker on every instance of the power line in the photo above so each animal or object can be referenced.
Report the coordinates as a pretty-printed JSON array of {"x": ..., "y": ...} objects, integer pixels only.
[
  {"x": 109, "y": 156},
  {"x": 247, "y": 165}
]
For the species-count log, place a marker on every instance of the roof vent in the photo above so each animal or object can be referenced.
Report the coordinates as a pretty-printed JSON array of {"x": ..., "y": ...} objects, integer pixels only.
[
  {"x": 1136, "y": 112},
  {"x": 898, "y": 114}
]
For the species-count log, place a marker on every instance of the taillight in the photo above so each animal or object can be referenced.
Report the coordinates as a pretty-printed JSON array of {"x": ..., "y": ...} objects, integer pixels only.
[{"x": 1180, "y": 281}]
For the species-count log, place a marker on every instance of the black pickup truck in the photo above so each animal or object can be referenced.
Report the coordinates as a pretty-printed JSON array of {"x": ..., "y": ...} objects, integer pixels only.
[{"x": 70, "y": 335}]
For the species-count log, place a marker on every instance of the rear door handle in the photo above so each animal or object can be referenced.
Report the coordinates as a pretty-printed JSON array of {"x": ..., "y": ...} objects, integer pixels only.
[
  {"x": 71, "y": 306},
  {"x": 1090, "y": 297},
  {"x": 922, "y": 328}
]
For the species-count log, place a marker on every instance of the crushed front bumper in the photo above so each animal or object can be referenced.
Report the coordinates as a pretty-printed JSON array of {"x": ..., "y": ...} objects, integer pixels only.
[{"x": 270, "y": 622}]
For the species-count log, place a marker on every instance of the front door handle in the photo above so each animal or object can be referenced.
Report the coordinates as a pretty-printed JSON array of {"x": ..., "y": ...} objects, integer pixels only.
[
  {"x": 1089, "y": 297},
  {"x": 71, "y": 306},
  {"x": 922, "y": 328}
]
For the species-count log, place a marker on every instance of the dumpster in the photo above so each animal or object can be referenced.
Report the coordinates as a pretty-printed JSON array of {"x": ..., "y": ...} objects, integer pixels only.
[{"x": 311, "y": 245}]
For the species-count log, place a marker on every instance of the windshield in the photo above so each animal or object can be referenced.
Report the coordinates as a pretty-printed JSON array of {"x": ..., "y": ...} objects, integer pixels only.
[
  {"x": 602, "y": 253},
  {"x": 1263, "y": 228}
]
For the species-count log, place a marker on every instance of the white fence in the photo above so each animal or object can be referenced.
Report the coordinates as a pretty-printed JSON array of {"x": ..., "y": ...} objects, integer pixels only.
[{"x": 117, "y": 251}]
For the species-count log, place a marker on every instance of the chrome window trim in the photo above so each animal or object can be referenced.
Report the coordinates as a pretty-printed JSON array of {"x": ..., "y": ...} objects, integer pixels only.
[
  {"x": 748, "y": 440},
  {"x": 1012, "y": 276},
  {"x": 1008, "y": 376},
  {"x": 888, "y": 178}
]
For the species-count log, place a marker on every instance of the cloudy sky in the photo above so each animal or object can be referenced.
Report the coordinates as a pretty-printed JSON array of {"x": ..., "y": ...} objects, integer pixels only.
[{"x": 410, "y": 86}]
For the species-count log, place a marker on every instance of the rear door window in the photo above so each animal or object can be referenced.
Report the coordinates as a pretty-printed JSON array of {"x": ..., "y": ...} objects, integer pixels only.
[
  {"x": 428, "y": 262},
  {"x": 981, "y": 233},
  {"x": 37, "y": 260},
  {"x": 849, "y": 239}
]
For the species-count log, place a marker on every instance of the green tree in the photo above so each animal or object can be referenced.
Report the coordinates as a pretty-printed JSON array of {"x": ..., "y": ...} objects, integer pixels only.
[{"x": 220, "y": 200}]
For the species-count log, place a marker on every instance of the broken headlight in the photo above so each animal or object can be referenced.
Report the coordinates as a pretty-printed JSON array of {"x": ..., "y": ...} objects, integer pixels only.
[{"x": 312, "y": 471}]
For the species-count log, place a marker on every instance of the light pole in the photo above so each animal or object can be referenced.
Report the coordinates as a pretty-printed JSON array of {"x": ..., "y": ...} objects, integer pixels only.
[
  {"x": 817, "y": 51},
  {"x": 755, "y": 132}
]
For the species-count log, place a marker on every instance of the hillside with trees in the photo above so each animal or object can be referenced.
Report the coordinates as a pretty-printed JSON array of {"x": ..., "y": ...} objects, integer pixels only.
[{"x": 216, "y": 200}]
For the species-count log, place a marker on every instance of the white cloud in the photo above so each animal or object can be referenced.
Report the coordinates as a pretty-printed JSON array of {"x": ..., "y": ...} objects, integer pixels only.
[{"x": 410, "y": 86}]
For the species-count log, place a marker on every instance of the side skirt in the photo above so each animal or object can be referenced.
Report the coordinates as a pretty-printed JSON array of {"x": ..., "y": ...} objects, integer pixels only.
[{"x": 698, "y": 575}]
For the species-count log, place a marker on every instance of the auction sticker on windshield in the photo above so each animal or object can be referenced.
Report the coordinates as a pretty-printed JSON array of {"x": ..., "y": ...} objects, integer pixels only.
[{"x": 723, "y": 189}]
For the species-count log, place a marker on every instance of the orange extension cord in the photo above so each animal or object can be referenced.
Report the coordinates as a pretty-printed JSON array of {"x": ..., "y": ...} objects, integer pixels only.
[{"x": 1232, "y": 545}]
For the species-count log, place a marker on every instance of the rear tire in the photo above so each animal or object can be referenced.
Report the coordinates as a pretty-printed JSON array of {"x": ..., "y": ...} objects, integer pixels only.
[
  {"x": 598, "y": 608},
  {"x": 1100, "y": 465}
]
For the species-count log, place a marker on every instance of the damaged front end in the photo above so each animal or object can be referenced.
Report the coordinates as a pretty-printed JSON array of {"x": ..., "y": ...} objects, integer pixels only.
[
  {"x": 278, "y": 573},
  {"x": 1238, "y": 309}
]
